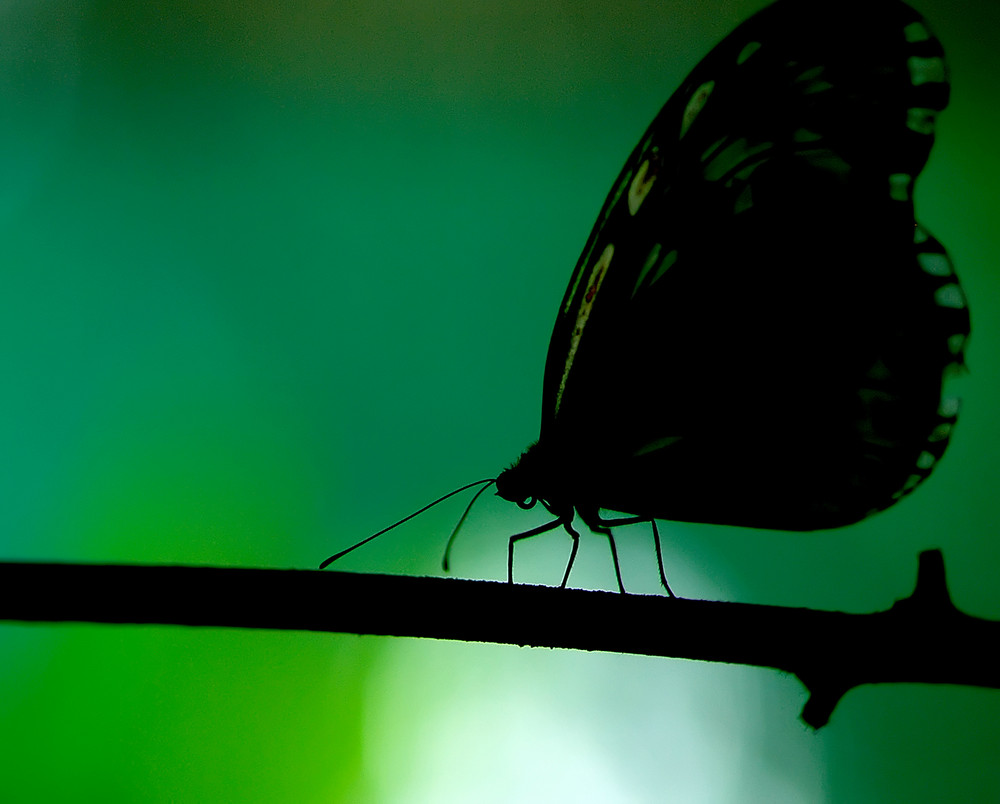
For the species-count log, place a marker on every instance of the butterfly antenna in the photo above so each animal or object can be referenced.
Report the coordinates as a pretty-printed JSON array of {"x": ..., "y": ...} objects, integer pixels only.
[
  {"x": 342, "y": 553},
  {"x": 458, "y": 527}
]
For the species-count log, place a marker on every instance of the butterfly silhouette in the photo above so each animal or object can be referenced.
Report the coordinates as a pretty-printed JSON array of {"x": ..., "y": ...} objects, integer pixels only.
[{"x": 757, "y": 331}]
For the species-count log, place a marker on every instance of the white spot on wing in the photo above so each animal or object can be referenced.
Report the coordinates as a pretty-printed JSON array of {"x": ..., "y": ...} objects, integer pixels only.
[
  {"x": 808, "y": 78},
  {"x": 746, "y": 172},
  {"x": 949, "y": 406},
  {"x": 658, "y": 444},
  {"x": 732, "y": 157},
  {"x": 748, "y": 50},
  {"x": 817, "y": 86},
  {"x": 669, "y": 260},
  {"x": 651, "y": 258},
  {"x": 616, "y": 196},
  {"x": 916, "y": 32},
  {"x": 934, "y": 264},
  {"x": 926, "y": 70},
  {"x": 640, "y": 187},
  {"x": 940, "y": 433},
  {"x": 827, "y": 160},
  {"x": 744, "y": 202},
  {"x": 712, "y": 149},
  {"x": 920, "y": 120},
  {"x": 950, "y": 296},
  {"x": 899, "y": 186},
  {"x": 698, "y": 100},
  {"x": 805, "y": 135},
  {"x": 810, "y": 74},
  {"x": 594, "y": 280}
]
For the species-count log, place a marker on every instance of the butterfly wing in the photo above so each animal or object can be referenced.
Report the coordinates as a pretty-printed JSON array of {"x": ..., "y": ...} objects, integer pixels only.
[{"x": 756, "y": 331}]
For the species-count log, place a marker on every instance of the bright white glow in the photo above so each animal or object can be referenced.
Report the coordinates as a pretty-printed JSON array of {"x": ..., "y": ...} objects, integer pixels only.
[{"x": 450, "y": 722}]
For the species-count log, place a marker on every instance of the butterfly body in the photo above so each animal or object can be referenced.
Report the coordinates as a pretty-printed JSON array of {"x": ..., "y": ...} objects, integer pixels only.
[{"x": 757, "y": 330}]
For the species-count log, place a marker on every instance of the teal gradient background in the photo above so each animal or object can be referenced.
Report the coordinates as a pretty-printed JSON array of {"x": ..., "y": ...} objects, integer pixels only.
[{"x": 277, "y": 274}]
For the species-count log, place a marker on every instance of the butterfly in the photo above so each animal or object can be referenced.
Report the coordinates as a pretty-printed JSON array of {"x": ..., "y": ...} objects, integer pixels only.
[{"x": 757, "y": 331}]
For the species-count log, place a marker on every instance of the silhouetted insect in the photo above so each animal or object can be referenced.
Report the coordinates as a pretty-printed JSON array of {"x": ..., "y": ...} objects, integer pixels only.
[{"x": 757, "y": 331}]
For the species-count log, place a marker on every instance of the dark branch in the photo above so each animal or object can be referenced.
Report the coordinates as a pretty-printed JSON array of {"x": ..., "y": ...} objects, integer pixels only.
[{"x": 923, "y": 638}]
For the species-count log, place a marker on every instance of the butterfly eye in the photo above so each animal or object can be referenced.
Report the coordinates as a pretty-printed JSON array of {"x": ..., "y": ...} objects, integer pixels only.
[
  {"x": 507, "y": 491},
  {"x": 510, "y": 485}
]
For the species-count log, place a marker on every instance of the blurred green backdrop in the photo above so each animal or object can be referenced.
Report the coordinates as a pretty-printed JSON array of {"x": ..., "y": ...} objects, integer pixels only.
[{"x": 276, "y": 274}]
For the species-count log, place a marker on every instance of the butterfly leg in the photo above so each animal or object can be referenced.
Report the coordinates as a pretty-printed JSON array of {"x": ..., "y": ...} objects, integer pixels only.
[
  {"x": 614, "y": 558},
  {"x": 599, "y": 525},
  {"x": 659, "y": 559},
  {"x": 555, "y": 523},
  {"x": 574, "y": 534}
]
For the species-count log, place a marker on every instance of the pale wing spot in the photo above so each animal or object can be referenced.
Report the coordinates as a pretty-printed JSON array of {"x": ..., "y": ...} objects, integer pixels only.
[
  {"x": 925, "y": 460},
  {"x": 921, "y": 120},
  {"x": 616, "y": 196},
  {"x": 871, "y": 395},
  {"x": 577, "y": 277},
  {"x": 926, "y": 70},
  {"x": 805, "y": 135},
  {"x": 899, "y": 186},
  {"x": 744, "y": 202},
  {"x": 658, "y": 444},
  {"x": 934, "y": 264},
  {"x": 940, "y": 433},
  {"x": 712, "y": 149},
  {"x": 626, "y": 178},
  {"x": 916, "y": 32},
  {"x": 746, "y": 172},
  {"x": 748, "y": 50},
  {"x": 884, "y": 443},
  {"x": 594, "y": 284},
  {"x": 878, "y": 371},
  {"x": 920, "y": 234},
  {"x": 669, "y": 260},
  {"x": 950, "y": 296},
  {"x": 817, "y": 86},
  {"x": 827, "y": 160},
  {"x": 812, "y": 86},
  {"x": 640, "y": 187},
  {"x": 911, "y": 483},
  {"x": 695, "y": 105},
  {"x": 594, "y": 280},
  {"x": 949, "y": 406},
  {"x": 810, "y": 74},
  {"x": 731, "y": 157},
  {"x": 651, "y": 258}
]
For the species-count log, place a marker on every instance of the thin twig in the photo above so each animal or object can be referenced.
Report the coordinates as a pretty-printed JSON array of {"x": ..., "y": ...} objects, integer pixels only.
[{"x": 922, "y": 638}]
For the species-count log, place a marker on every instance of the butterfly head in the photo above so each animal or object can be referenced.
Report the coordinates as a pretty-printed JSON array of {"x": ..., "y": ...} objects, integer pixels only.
[{"x": 518, "y": 483}]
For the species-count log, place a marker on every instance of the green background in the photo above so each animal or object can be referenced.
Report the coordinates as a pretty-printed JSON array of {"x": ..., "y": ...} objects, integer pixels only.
[{"x": 275, "y": 275}]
